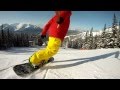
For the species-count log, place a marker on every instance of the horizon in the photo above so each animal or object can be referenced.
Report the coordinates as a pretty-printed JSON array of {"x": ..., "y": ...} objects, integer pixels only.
[{"x": 20, "y": 24}]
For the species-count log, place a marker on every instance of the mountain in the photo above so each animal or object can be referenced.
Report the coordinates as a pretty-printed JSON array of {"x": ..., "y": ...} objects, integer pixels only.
[
  {"x": 78, "y": 33},
  {"x": 6, "y": 26},
  {"x": 26, "y": 28},
  {"x": 22, "y": 27},
  {"x": 81, "y": 34}
]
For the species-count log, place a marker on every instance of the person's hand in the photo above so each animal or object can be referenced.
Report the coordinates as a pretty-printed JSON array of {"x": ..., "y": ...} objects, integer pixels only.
[{"x": 43, "y": 36}]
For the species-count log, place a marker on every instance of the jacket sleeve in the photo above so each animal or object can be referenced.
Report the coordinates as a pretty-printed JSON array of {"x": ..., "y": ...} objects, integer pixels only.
[{"x": 46, "y": 27}]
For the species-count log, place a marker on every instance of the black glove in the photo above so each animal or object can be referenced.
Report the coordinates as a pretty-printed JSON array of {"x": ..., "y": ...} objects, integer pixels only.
[
  {"x": 43, "y": 36},
  {"x": 60, "y": 20}
]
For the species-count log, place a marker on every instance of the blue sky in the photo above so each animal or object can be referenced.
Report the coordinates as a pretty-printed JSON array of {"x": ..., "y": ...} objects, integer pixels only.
[{"x": 79, "y": 19}]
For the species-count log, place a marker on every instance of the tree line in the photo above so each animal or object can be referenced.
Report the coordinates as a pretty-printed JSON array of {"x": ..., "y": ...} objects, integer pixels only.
[
  {"x": 108, "y": 39},
  {"x": 10, "y": 38}
]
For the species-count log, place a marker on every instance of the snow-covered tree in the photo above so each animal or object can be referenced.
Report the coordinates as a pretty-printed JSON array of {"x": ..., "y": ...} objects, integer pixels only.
[
  {"x": 86, "y": 36},
  {"x": 118, "y": 35},
  {"x": 103, "y": 40},
  {"x": 115, "y": 31},
  {"x": 85, "y": 41},
  {"x": 110, "y": 38},
  {"x": 90, "y": 40}
]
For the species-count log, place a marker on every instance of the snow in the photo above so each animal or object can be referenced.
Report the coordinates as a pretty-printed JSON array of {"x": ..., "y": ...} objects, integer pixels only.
[
  {"x": 83, "y": 34},
  {"x": 97, "y": 33},
  {"x": 68, "y": 64},
  {"x": 19, "y": 26},
  {"x": 28, "y": 25}
]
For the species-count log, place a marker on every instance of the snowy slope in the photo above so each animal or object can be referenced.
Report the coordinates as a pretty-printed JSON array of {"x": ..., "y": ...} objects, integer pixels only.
[{"x": 68, "y": 64}]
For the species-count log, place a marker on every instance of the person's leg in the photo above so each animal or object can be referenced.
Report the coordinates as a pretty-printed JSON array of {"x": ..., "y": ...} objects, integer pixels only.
[{"x": 51, "y": 49}]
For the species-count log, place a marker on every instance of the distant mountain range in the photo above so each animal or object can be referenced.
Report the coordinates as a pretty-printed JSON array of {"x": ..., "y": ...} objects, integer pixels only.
[
  {"x": 34, "y": 29},
  {"x": 21, "y": 27},
  {"x": 28, "y": 28}
]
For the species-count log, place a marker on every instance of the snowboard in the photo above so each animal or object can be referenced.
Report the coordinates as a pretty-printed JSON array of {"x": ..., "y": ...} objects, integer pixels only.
[{"x": 26, "y": 68}]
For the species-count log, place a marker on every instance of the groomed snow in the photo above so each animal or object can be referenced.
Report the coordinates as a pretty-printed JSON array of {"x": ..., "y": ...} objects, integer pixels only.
[{"x": 68, "y": 64}]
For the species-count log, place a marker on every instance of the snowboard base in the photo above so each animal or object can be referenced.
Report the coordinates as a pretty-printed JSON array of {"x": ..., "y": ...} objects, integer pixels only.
[{"x": 26, "y": 68}]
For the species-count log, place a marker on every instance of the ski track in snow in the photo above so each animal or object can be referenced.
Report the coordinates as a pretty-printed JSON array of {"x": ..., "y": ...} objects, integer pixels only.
[{"x": 68, "y": 64}]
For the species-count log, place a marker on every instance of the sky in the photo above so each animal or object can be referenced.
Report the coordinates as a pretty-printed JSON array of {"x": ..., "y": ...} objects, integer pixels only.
[{"x": 79, "y": 19}]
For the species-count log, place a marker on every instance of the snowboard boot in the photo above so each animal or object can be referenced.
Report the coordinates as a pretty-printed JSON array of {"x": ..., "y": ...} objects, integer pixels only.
[
  {"x": 43, "y": 62},
  {"x": 50, "y": 60}
]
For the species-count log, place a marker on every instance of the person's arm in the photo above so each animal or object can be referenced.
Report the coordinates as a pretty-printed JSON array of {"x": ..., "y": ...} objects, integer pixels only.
[
  {"x": 62, "y": 15},
  {"x": 46, "y": 27},
  {"x": 59, "y": 18}
]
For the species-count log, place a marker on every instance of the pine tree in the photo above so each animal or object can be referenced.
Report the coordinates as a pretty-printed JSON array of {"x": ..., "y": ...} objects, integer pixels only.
[
  {"x": 26, "y": 40},
  {"x": 114, "y": 26},
  {"x": 113, "y": 36},
  {"x": 118, "y": 36},
  {"x": 9, "y": 42},
  {"x": 2, "y": 38},
  {"x": 115, "y": 22},
  {"x": 91, "y": 38},
  {"x": 86, "y": 37},
  {"x": 103, "y": 37},
  {"x": 104, "y": 30}
]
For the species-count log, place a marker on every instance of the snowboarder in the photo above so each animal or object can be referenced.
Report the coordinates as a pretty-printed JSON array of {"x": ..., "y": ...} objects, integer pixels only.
[{"x": 56, "y": 28}]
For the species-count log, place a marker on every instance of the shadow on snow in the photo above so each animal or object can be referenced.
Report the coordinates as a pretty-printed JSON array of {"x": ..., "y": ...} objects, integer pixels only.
[{"x": 80, "y": 60}]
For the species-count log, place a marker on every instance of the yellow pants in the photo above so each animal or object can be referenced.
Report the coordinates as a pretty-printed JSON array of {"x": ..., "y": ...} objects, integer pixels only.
[{"x": 51, "y": 49}]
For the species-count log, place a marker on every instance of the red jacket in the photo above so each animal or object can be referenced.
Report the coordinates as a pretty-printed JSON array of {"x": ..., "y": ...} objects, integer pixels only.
[{"x": 61, "y": 31}]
